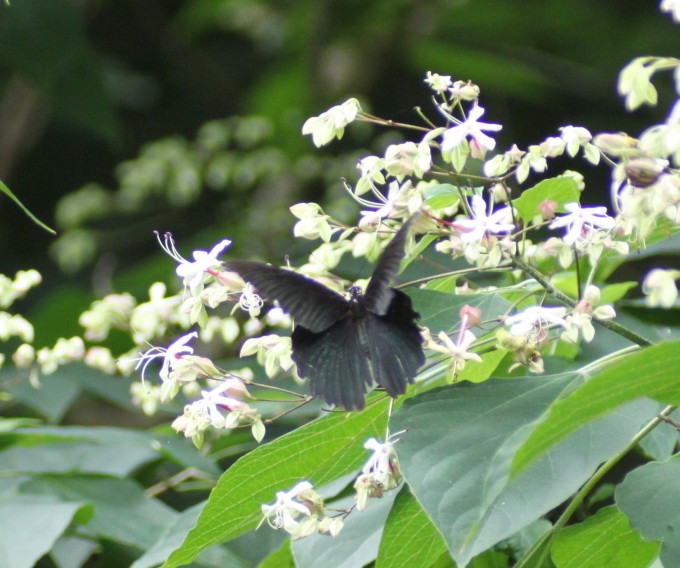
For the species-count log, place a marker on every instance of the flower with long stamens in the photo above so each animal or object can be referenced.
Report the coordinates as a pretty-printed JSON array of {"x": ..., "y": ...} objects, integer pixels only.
[
  {"x": 192, "y": 273},
  {"x": 169, "y": 355}
]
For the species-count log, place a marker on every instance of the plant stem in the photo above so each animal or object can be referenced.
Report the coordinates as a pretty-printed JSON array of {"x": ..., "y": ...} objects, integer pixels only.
[
  {"x": 610, "y": 463},
  {"x": 569, "y": 301}
]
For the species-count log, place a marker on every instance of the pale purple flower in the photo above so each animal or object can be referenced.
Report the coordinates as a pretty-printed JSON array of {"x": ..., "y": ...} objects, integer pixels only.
[
  {"x": 481, "y": 224},
  {"x": 471, "y": 127},
  {"x": 534, "y": 318},
  {"x": 581, "y": 222}
]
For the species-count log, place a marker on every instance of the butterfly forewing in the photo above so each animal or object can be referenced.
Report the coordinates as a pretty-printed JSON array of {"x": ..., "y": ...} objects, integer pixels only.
[
  {"x": 378, "y": 292},
  {"x": 311, "y": 304}
]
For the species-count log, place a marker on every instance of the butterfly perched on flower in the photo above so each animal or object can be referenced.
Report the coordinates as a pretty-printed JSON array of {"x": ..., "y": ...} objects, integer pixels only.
[{"x": 345, "y": 346}]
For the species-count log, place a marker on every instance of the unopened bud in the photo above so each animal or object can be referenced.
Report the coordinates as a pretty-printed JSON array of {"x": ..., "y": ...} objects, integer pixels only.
[
  {"x": 615, "y": 144},
  {"x": 472, "y": 314},
  {"x": 547, "y": 208},
  {"x": 643, "y": 172}
]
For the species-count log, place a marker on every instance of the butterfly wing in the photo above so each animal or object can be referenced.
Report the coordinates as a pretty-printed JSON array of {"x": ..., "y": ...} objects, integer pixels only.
[
  {"x": 311, "y": 304},
  {"x": 378, "y": 292},
  {"x": 338, "y": 370},
  {"x": 359, "y": 351},
  {"x": 395, "y": 346}
]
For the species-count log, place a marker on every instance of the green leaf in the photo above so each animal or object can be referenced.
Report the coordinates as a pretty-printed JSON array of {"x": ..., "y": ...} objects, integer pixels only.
[
  {"x": 173, "y": 536},
  {"x": 30, "y": 526},
  {"x": 458, "y": 446},
  {"x": 478, "y": 372},
  {"x": 652, "y": 372},
  {"x": 441, "y": 195},
  {"x": 410, "y": 538},
  {"x": 320, "y": 451},
  {"x": 650, "y": 497},
  {"x": 562, "y": 189},
  {"x": 439, "y": 311},
  {"x": 94, "y": 450},
  {"x": 14, "y": 198},
  {"x": 604, "y": 539},
  {"x": 281, "y": 558},
  {"x": 122, "y": 511}
]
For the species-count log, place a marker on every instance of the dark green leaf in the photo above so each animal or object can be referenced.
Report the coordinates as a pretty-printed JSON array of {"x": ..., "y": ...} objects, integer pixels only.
[
  {"x": 410, "y": 538},
  {"x": 650, "y": 498},
  {"x": 30, "y": 525},
  {"x": 604, "y": 539},
  {"x": 458, "y": 435},
  {"x": 652, "y": 372}
]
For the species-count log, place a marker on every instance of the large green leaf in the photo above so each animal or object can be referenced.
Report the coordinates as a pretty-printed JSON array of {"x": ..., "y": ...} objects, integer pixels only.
[
  {"x": 173, "y": 536},
  {"x": 94, "y": 450},
  {"x": 653, "y": 372},
  {"x": 320, "y": 451},
  {"x": 650, "y": 497},
  {"x": 458, "y": 446},
  {"x": 410, "y": 538},
  {"x": 439, "y": 310},
  {"x": 30, "y": 526},
  {"x": 604, "y": 539},
  {"x": 122, "y": 511},
  {"x": 561, "y": 189}
]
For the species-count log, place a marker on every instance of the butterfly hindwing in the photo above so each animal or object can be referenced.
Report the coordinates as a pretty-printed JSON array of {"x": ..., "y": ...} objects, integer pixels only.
[
  {"x": 396, "y": 351},
  {"x": 311, "y": 304},
  {"x": 378, "y": 292},
  {"x": 338, "y": 371}
]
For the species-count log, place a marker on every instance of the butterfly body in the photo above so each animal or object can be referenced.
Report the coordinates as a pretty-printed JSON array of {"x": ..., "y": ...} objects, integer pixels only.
[{"x": 347, "y": 346}]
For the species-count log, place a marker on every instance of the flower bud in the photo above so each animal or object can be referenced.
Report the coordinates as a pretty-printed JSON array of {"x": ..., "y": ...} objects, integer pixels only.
[
  {"x": 643, "y": 171},
  {"x": 615, "y": 143}
]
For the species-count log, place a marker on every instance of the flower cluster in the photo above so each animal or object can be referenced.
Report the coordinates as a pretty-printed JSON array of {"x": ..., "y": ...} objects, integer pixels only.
[{"x": 300, "y": 511}]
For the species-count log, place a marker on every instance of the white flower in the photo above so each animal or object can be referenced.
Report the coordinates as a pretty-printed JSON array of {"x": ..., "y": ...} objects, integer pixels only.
[
  {"x": 458, "y": 351},
  {"x": 635, "y": 83},
  {"x": 660, "y": 287},
  {"x": 192, "y": 272},
  {"x": 223, "y": 396},
  {"x": 455, "y": 135},
  {"x": 331, "y": 124},
  {"x": 481, "y": 224},
  {"x": 285, "y": 513},
  {"x": 534, "y": 318},
  {"x": 575, "y": 137},
  {"x": 582, "y": 221},
  {"x": 408, "y": 158},
  {"x": 672, "y": 7},
  {"x": 170, "y": 355},
  {"x": 438, "y": 83},
  {"x": 381, "y": 462},
  {"x": 250, "y": 301}
]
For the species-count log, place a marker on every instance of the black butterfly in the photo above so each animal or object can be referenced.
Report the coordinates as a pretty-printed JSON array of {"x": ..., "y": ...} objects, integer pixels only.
[{"x": 345, "y": 346}]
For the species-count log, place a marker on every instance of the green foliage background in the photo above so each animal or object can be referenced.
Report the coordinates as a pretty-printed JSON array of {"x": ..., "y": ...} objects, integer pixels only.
[{"x": 118, "y": 118}]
